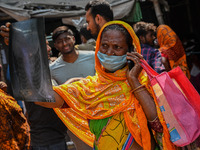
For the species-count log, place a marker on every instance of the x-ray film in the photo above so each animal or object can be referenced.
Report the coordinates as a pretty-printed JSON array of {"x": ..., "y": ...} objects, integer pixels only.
[{"x": 28, "y": 61}]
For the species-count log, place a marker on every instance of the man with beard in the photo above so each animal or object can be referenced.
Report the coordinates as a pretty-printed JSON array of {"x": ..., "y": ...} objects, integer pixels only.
[
  {"x": 98, "y": 12},
  {"x": 146, "y": 33},
  {"x": 70, "y": 64}
]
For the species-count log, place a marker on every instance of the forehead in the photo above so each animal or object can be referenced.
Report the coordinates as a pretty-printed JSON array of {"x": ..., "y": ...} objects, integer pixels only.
[
  {"x": 63, "y": 35},
  {"x": 88, "y": 14},
  {"x": 113, "y": 36}
]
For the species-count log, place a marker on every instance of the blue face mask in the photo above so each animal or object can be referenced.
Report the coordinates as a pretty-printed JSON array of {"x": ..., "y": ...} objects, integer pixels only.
[{"x": 112, "y": 63}]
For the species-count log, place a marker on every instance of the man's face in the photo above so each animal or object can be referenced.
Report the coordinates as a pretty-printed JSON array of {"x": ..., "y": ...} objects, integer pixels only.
[
  {"x": 92, "y": 25},
  {"x": 149, "y": 38},
  {"x": 65, "y": 43}
]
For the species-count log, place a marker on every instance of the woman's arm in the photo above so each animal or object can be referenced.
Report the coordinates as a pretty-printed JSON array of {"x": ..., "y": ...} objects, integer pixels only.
[
  {"x": 73, "y": 80},
  {"x": 59, "y": 101},
  {"x": 140, "y": 92}
]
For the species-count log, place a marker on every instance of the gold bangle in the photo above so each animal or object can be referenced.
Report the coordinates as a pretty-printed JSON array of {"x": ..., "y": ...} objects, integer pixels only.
[
  {"x": 139, "y": 90},
  {"x": 142, "y": 85},
  {"x": 153, "y": 119}
]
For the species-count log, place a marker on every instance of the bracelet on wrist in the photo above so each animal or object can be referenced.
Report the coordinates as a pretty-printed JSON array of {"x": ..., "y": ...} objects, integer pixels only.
[{"x": 137, "y": 88}]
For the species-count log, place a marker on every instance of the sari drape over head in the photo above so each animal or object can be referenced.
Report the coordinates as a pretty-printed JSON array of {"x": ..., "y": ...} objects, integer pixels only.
[
  {"x": 105, "y": 95},
  {"x": 172, "y": 48}
]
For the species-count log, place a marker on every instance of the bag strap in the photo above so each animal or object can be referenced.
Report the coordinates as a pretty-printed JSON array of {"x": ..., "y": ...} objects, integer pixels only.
[{"x": 150, "y": 71}]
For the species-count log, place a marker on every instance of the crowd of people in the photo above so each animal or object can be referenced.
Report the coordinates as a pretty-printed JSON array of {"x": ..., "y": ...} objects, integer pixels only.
[{"x": 101, "y": 102}]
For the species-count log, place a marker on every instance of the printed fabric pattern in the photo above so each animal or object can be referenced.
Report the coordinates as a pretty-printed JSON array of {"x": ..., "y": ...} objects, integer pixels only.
[
  {"x": 172, "y": 48},
  {"x": 14, "y": 129}
]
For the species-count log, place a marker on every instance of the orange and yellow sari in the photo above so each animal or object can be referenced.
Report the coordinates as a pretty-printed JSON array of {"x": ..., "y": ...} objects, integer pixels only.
[
  {"x": 105, "y": 95},
  {"x": 172, "y": 48},
  {"x": 14, "y": 128}
]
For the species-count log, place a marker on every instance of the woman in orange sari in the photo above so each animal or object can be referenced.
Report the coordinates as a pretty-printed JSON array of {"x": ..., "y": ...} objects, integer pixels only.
[
  {"x": 14, "y": 128},
  {"x": 171, "y": 48},
  {"x": 112, "y": 109}
]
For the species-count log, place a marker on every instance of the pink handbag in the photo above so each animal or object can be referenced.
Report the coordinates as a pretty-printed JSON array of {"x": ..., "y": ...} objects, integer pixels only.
[{"x": 179, "y": 103}]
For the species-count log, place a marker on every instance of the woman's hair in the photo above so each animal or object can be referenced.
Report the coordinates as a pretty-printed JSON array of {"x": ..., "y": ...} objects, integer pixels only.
[{"x": 122, "y": 29}]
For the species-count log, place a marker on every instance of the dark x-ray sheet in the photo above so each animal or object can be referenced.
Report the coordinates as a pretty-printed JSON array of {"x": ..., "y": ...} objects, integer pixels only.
[{"x": 28, "y": 60}]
